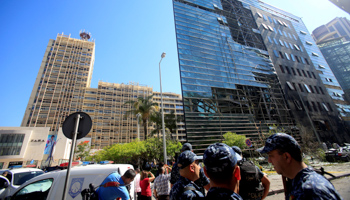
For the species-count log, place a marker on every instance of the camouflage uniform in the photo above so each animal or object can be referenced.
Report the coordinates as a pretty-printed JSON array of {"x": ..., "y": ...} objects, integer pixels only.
[
  {"x": 222, "y": 193},
  {"x": 308, "y": 184},
  {"x": 219, "y": 159},
  {"x": 177, "y": 191}
]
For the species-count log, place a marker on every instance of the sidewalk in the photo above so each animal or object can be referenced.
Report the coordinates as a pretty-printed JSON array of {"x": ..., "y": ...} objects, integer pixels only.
[{"x": 337, "y": 169}]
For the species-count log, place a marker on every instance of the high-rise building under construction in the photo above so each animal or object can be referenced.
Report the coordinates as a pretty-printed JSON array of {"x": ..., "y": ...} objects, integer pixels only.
[{"x": 244, "y": 68}]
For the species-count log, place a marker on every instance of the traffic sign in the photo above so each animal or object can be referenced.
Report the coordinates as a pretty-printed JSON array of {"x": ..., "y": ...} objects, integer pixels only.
[{"x": 248, "y": 142}]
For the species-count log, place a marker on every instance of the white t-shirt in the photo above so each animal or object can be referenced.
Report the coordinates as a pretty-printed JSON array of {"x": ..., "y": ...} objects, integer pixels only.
[{"x": 137, "y": 183}]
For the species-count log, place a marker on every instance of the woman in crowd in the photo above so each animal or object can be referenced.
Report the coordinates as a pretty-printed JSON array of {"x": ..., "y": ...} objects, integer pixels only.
[{"x": 145, "y": 184}]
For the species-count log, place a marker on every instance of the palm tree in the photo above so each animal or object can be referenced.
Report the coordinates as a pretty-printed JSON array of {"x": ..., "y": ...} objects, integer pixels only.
[
  {"x": 145, "y": 107},
  {"x": 170, "y": 122}
]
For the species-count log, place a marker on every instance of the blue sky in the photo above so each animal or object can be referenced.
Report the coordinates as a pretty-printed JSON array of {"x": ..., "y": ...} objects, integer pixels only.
[{"x": 130, "y": 36}]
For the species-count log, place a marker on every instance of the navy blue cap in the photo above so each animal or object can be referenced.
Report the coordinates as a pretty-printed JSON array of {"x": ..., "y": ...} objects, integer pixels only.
[
  {"x": 186, "y": 158},
  {"x": 186, "y": 146},
  {"x": 237, "y": 149},
  {"x": 280, "y": 141},
  {"x": 219, "y": 157}
]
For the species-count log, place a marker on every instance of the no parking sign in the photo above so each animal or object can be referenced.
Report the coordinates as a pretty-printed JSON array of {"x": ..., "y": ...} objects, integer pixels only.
[{"x": 248, "y": 142}]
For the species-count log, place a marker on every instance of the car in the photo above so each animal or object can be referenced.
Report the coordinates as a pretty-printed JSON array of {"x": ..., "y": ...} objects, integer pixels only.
[
  {"x": 51, "y": 185},
  {"x": 344, "y": 154},
  {"x": 340, "y": 154},
  {"x": 15, "y": 178}
]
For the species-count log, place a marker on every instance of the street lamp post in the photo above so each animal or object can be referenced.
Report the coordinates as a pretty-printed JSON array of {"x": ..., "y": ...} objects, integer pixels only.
[{"x": 161, "y": 104}]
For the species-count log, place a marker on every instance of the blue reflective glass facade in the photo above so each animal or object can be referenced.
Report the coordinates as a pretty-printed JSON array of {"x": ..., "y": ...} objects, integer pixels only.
[
  {"x": 243, "y": 71},
  {"x": 227, "y": 77}
]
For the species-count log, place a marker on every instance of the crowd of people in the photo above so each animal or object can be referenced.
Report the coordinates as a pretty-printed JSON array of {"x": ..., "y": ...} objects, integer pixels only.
[{"x": 227, "y": 175}]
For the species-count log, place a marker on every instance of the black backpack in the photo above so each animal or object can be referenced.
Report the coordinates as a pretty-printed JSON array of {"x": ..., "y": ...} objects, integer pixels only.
[{"x": 250, "y": 186}]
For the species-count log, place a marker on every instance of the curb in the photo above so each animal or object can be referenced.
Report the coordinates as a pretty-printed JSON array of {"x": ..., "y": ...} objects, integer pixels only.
[{"x": 273, "y": 192}]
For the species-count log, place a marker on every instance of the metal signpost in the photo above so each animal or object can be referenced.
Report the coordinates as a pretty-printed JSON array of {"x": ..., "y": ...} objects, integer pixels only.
[{"x": 75, "y": 126}]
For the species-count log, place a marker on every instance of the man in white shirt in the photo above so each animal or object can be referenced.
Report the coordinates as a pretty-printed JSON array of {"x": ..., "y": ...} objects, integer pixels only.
[{"x": 137, "y": 184}]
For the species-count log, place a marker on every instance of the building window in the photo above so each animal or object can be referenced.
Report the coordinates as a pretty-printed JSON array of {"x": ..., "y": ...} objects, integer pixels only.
[
  {"x": 307, "y": 88},
  {"x": 286, "y": 44},
  {"x": 291, "y": 46},
  {"x": 303, "y": 32},
  {"x": 292, "y": 56},
  {"x": 286, "y": 54},
  {"x": 279, "y": 21},
  {"x": 274, "y": 39},
  {"x": 268, "y": 37},
  {"x": 297, "y": 58},
  {"x": 314, "y": 54},
  {"x": 319, "y": 106},
  {"x": 281, "y": 43},
  {"x": 312, "y": 90},
  {"x": 316, "y": 90},
  {"x": 309, "y": 43},
  {"x": 321, "y": 66},
  {"x": 308, "y": 73},
  {"x": 269, "y": 19},
  {"x": 297, "y": 105},
  {"x": 304, "y": 72},
  {"x": 336, "y": 94},
  {"x": 285, "y": 24},
  {"x": 330, "y": 107},
  {"x": 321, "y": 90},
  {"x": 294, "y": 37},
  {"x": 280, "y": 32},
  {"x": 291, "y": 87},
  {"x": 299, "y": 72},
  {"x": 265, "y": 27},
  {"x": 329, "y": 80},
  {"x": 265, "y": 18},
  {"x": 288, "y": 70},
  {"x": 270, "y": 28},
  {"x": 296, "y": 47},
  {"x": 313, "y": 74},
  {"x": 276, "y": 53},
  {"x": 325, "y": 107},
  {"x": 281, "y": 55},
  {"x": 274, "y": 20},
  {"x": 293, "y": 71},
  {"x": 301, "y": 87},
  {"x": 306, "y": 60},
  {"x": 260, "y": 15},
  {"x": 282, "y": 69},
  {"x": 11, "y": 144},
  {"x": 308, "y": 106}
]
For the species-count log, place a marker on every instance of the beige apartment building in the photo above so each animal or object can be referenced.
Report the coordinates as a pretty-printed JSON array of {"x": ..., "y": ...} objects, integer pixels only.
[
  {"x": 64, "y": 75},
  {"x": 173, "y": 102},
  {"x": 62, "y": 87}
]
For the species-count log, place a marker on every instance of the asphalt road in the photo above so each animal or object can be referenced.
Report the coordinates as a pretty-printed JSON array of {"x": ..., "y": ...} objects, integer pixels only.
[{"x": 341, "y": 185}]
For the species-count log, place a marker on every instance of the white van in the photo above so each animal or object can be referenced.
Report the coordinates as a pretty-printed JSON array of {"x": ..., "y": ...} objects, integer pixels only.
[
  {"x": 51, "y": 185},
  {"x": 15, "y": 178}
]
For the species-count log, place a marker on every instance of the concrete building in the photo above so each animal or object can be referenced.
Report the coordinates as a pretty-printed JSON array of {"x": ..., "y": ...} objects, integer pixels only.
[
  {"x": 342, "y": 4},
  {"x": 63, "y": 87},
  {"x": 30, "y": 147},
  {"x": 64, "y": 75},
  {"x": 173, "y": 103},
  {"x": 246, "y": 66},
  {"x": 338, "y": 27}
]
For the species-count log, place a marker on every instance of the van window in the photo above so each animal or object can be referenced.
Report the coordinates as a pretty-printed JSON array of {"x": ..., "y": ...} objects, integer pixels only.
[
  {"x": 36, "y": 190},
  {"x": 20, "y": 178}
]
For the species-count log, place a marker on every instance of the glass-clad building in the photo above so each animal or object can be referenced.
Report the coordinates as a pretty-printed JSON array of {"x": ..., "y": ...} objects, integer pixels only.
[
  {"x": 245, "y": 68},
  {"x": 337, "y": 53},
  {"x": 227, "y": 77}
]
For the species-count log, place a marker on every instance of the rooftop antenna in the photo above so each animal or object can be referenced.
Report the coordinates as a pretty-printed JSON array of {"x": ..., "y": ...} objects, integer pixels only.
[{"x": 84, "y": 35}]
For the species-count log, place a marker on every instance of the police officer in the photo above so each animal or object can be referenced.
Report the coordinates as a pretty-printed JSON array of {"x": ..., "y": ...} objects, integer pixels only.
[
  {"x": 304, "y": 183},
  {"x": 189, "y": 169},
  {"x": 203, "y": 182},
  {"x": 220, "y": 165}
]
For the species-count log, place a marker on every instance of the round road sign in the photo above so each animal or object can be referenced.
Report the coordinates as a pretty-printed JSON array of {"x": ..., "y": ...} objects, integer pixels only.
[
  {"x": 84, "y": 126},
  {"x": 248, "y": 142}
]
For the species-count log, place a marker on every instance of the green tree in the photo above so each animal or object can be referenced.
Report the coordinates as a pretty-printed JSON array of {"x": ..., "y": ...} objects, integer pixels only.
[
  {"x": 156, "y": 117},
  {"x": 145, "y": 107},
  {"x": 233, "y": 139},
  {"x": 82, "y": 151}
]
